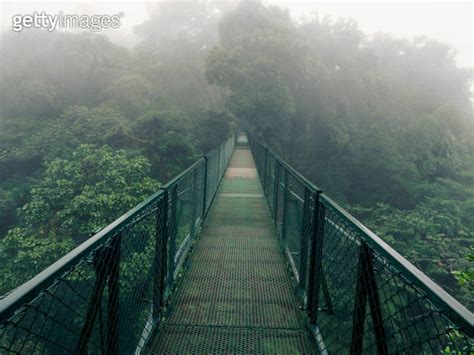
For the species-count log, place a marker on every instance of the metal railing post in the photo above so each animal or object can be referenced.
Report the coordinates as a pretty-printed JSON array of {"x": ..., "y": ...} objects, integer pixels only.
[
  {"x": 173, "y": 231},
  {"x": 305, "y": 233},
  {"x": 218, "y": 171},
  {"x": 194, "y": 202},
  {"x": 265, "y": 170},
  {"x": 102, "y": 266},
  {"x": 286, "y": 196},
  {"x": 204, "y": 199},
  {"x": 275, "y": 191},
  {"x": 315, "y": 261},
  {"x": 113, "y": 301},
  {"x": 367, "y": 288},
  {"x": 161, "y": 238}
]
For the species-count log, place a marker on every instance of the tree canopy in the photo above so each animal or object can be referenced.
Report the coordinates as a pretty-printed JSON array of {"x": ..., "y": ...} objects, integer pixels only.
[{"x": 384, "y": 125}]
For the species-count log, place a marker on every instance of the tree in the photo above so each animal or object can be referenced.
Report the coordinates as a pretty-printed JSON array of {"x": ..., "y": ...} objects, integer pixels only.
[
  {"x": 466, "y": 278},
  {"x": 71, "y": 69},
  {"x": 382, "y": 124},
  {"x": 212, "y": 128},
  {"x": 175, "y": 43},
  {"x": 131, "y": 94},
  {"x": 76, "y": 197},
  {"x": 165, "y": 138},
  {"x": 251, "y": 65}
]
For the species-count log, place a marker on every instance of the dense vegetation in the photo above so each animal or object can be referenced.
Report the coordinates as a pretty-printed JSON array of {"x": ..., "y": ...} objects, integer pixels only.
[
  {"x": 383, "y": 125},
  {"x": 88, "y": 128}
]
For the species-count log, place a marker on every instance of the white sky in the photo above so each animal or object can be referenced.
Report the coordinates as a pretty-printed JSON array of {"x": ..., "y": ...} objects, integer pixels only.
[{"x": 449, "y": 22}]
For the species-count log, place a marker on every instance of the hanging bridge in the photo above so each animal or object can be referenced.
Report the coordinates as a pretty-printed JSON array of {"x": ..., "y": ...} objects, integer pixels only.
[{"x": 238, "y": 254}]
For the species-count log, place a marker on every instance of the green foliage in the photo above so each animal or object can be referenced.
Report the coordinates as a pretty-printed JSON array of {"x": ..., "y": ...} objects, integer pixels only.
[
  {"x": 12, "y": 195},
  {"x": 165, "y": 138},
  {"x": 253, "y": 64},
  {"x": 44, "y": 72},
  {"x": 87, "y": 191},
  {"x": 77, "y": 125},
  {"x": 432, "y": 236},
  {"x": 76, "y": 197},
  {"x": 23, "y": 254},
  {"x": 176, "y": 41},
  {"x": 466, "y": 278},
  {"x": 214, "y": 126},
  {"x": 383, "y": 125},
  {"x": 131, "y": 94},
  {"x": 78, "y": 89}
]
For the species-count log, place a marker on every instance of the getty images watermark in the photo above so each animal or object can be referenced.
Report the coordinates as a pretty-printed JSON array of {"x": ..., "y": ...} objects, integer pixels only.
[{"x": 94, "y": 23}]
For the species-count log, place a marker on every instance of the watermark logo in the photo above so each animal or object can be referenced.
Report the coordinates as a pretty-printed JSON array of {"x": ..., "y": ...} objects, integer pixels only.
[{"x": 94, "y": 23}]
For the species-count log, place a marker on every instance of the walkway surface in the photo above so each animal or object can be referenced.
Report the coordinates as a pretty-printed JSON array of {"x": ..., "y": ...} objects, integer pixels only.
[{"x": 236, "y": 296}]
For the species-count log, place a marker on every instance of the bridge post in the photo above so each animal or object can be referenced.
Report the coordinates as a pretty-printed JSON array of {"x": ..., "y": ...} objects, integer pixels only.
[
  {"x": 159, "y": 261},
  {"x": 265, "y": 171},
  {"x": 275, "y": 191},
  {"x": 106, "y": 259},
  {"x": 284, "y": 227},
  {"x": 204, "y": 198},
  {"x": 218, "y": 168},
  {"x": 315, "y": 261},
  {"x": 194, "y": 202},
  {"x": 113, "y": 301},
  {"x": 173, "y": 230},
  {"x": 367, "y": 288},
  {"x": 305, "y": 233}
]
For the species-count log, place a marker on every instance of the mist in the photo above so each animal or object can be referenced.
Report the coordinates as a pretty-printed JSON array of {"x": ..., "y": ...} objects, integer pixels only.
[
  {"x": 450, "y": 23},
  {"x": 371, "y": 101}
]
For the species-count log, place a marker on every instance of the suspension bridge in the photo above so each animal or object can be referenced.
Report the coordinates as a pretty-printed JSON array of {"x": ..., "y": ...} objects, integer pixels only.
[{"x": 238, "y": 254}]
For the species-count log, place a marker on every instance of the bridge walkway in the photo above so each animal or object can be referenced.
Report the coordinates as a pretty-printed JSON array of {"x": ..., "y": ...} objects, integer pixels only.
[{"x": 236, "y": 295}]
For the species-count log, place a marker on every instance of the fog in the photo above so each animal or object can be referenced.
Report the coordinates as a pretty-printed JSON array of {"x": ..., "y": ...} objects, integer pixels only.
[
  {"x": 372, "y": 102},
  {"x": 448, "y": 22}
]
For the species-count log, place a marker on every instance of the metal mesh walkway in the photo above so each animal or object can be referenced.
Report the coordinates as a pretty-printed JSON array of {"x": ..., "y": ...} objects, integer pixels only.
[
  {"x": 236, "y": 296},
  {"x": 124, "y": 290}
]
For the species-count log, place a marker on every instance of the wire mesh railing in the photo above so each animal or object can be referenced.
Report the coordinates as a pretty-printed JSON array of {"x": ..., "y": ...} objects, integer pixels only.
[
  {"x": 108, "y": 294},
  {"x": 360, "y": 295}
]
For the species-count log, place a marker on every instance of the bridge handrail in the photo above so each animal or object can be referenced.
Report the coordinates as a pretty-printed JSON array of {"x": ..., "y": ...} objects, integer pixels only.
[
  {"x": 457, "y": 312},
  {"x": 315, "y": 231},
  {"x": 30, "y": 289},
  {"x": 107, "y": 294}
]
